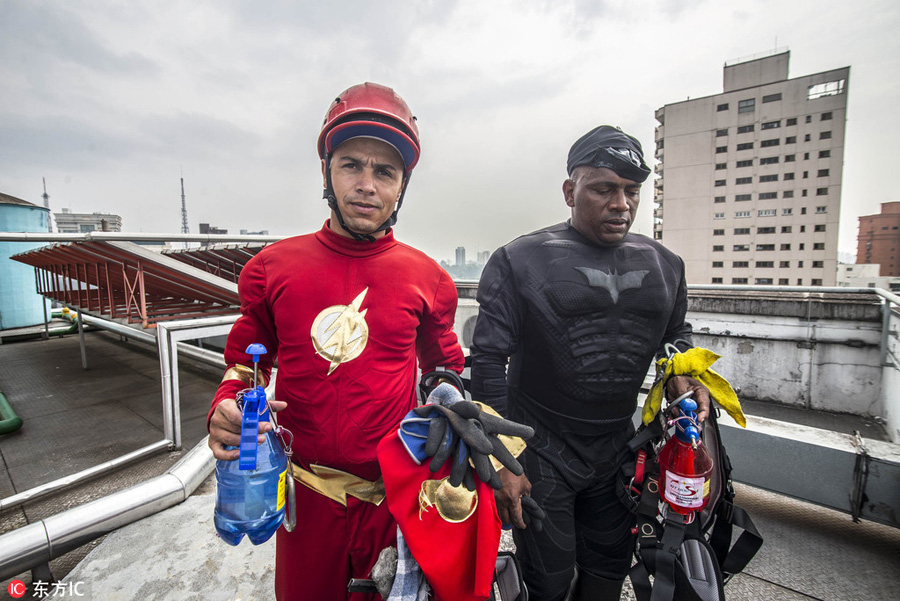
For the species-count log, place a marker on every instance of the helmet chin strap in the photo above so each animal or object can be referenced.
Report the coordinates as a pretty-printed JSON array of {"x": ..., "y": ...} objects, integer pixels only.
[{"x": 328, "y": 195}]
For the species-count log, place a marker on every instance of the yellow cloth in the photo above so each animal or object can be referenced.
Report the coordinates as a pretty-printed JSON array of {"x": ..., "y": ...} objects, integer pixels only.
[{"x": 696, "y": 363}]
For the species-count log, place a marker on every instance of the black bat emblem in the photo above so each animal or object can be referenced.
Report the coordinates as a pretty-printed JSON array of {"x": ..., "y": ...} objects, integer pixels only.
[{"x": 613, "y": 282}]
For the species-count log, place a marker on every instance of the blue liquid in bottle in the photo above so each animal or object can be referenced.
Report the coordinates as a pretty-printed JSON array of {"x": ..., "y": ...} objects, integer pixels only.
[{"x": 251, "y": 491}]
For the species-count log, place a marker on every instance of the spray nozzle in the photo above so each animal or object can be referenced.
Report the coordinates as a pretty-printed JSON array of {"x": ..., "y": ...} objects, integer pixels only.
[{"x": 254, "y": 404}]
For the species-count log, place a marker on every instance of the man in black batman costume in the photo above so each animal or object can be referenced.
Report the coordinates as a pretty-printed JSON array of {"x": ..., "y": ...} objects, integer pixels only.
[{"x": 579, "y": 310}]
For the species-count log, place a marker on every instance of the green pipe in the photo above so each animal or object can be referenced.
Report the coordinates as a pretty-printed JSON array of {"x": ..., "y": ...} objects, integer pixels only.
[{"x": 9, "y": 421}]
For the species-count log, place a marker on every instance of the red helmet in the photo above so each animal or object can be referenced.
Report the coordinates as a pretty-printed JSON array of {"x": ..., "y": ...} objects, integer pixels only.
[{"x": 374, "y": 111}]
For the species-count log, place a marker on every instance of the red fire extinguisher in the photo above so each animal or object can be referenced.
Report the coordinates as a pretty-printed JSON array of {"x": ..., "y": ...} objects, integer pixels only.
[{"x": 684, "y": 463}]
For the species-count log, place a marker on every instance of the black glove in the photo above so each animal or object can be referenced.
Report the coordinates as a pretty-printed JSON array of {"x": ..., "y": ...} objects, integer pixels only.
[
  {"x": 532, "y": 514},
  {"x": 464, "y": 422}
]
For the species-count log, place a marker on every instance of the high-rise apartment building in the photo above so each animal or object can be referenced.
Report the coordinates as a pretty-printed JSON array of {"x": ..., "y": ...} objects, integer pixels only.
[
  {"x": 749, "y": 187},
  {"x": 68, "y": 222},
  {"x": 460, "y": 255},
  {"x": 879, "y": 239}
]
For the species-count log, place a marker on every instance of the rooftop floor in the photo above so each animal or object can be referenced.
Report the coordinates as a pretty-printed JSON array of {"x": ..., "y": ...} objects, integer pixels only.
[{"x": 75, "y": 419}]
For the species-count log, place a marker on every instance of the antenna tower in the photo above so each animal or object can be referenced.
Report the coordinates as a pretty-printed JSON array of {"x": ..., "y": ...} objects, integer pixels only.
[
  {"x": 46, "y": 198},
  {"x": 184, "y": 221}
]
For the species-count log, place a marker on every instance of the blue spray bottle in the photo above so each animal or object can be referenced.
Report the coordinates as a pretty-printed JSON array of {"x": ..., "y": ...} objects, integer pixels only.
[{"x": 253, "y": 491}]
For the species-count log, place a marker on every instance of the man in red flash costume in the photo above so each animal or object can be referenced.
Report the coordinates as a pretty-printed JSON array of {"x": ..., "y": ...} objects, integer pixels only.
[{"x": 347, "y": 310}]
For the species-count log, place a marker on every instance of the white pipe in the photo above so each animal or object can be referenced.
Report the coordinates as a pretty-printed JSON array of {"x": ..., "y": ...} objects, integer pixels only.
[
  {"x": 131, "y": 236},
  {"x": 98, "y": 470},
  {"x": 52, "y": 537}
]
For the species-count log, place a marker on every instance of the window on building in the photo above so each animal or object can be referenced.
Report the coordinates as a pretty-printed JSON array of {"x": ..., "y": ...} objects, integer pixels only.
[
  {"x": 765, "y": 247},
  {"x": 818, "y": 264},
  {"x": 824, "y": 135},
  {"x": 819, "y": 227},
  {"x": 720, "y": 182},
  {"x": 721, "y": 166},
  {"x": 765, "y": 264},
  {"x": 765, "y": 230},
  {"x": 786, "y": 229},
  {"x": 790, "y": 158},
  {"x": 741, "y": 214},
  {"x": 770, "y": 124},
  {"x": 718, "y": 232},
  {"x": 822, "y": 173},
  {"x": 740, "y": 197},
  {"x": 821, "y": 191},
  {"x": 739, "y": 231},
  {"x": 787, "y": 211},
  {"x": 803, "y": 193},
  {"x": 743, "y": 180},
  {"x": 717, "y": 280},
  {"x": 718, "y": 199},
  {"x": 807, "y": 138},
  {"x": 741, "y": 247},
  {"x": 800, "y": 263},
  {"x": 740, "y": 264},
  {"x": 718, "y": 264},
  {"x": 721, "y": 132},
  {"x": 799, "y": 281},
  {"x": 816, "y": 282},
  {"x": 789, "y": 175},
  {"x": 747, "y": 163},
  {"x": 809, "y": 118},
  {"x": 767, "y": 212},
  {"x": 767, "y": 195},
  {"x": 722, "y": 107},
  {"x": 745, "y": 146},
  {"x": 718, "y": 248},
  {"x": 830, "y": 88},
  {"x": 802, "y": 227},
  {"x": 719, "y": 216},
  {"x": 805, "y": 174},
  {"x": 767, "y": 161},
  {"x": 783, "y": 281},
  {"x": 785, "y": 247},
  {"x": 822, "y": 209},
  {"x": 818, "y": 246},
  {"x": 86, "y": 227},
  {"x": 784, "y": 264},
  {"x": 787, "y": 194},
  {"x": 772, "y": 142},
  {"x": 721, "y": 149},
  {"x": 791, "y": 121},
  {"x": 769, "y": 178},
  {"x": 763, "y": 281},
  {"x": 743, "y": 129},
  {"x": 747, "y": 106},
  {"x": 772, "y": 97},
  {"x": 790, "y": 140},
  {"x": 824, "y": 154},
  {"x": 738, "y": 280}
]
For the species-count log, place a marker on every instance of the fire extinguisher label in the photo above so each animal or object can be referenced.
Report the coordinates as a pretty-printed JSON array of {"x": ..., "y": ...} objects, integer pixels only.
[{"x": 685, "y": 491}]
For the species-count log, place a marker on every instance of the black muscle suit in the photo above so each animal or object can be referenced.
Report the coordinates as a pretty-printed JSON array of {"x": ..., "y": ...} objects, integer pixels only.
[{"x": 579, "y": 325}]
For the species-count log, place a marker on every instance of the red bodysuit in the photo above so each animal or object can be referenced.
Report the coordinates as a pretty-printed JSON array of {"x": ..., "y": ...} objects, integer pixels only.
[{"x": 347, "y": 321}]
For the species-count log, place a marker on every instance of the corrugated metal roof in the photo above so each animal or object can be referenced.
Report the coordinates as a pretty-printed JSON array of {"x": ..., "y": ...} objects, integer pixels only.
[{"x": 123, "y": 281}]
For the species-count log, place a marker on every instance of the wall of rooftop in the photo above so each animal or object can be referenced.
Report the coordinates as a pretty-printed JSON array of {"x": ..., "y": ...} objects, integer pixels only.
[{"x": 812, "y": 350}]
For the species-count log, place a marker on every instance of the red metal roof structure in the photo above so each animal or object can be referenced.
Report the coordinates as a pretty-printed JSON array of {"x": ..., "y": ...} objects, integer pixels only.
[
  {"x": 126, "y": 282},
  {"x": 223, "y": 260}
]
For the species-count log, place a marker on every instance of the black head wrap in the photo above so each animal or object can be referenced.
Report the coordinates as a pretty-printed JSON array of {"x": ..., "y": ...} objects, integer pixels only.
[{"x": 609, "y": 147}]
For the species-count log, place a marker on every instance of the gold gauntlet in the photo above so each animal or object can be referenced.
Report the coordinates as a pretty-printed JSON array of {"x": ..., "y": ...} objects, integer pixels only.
[{"x": 245, "y": 375}]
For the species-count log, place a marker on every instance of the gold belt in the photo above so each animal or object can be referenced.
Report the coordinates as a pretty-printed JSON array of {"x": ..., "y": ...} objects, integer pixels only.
[{"x": 336, "y": 485}]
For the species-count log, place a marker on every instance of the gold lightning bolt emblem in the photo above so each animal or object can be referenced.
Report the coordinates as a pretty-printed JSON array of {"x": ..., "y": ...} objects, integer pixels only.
[{"x": 340, "y": 332}]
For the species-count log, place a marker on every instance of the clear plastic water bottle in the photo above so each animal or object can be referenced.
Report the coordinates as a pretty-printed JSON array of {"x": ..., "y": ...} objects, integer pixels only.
[{"x": 250, "y": 497}]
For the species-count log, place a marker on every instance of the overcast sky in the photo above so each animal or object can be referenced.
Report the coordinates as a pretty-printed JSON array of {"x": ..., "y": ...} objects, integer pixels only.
[{"x": 112, "y": 102}]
